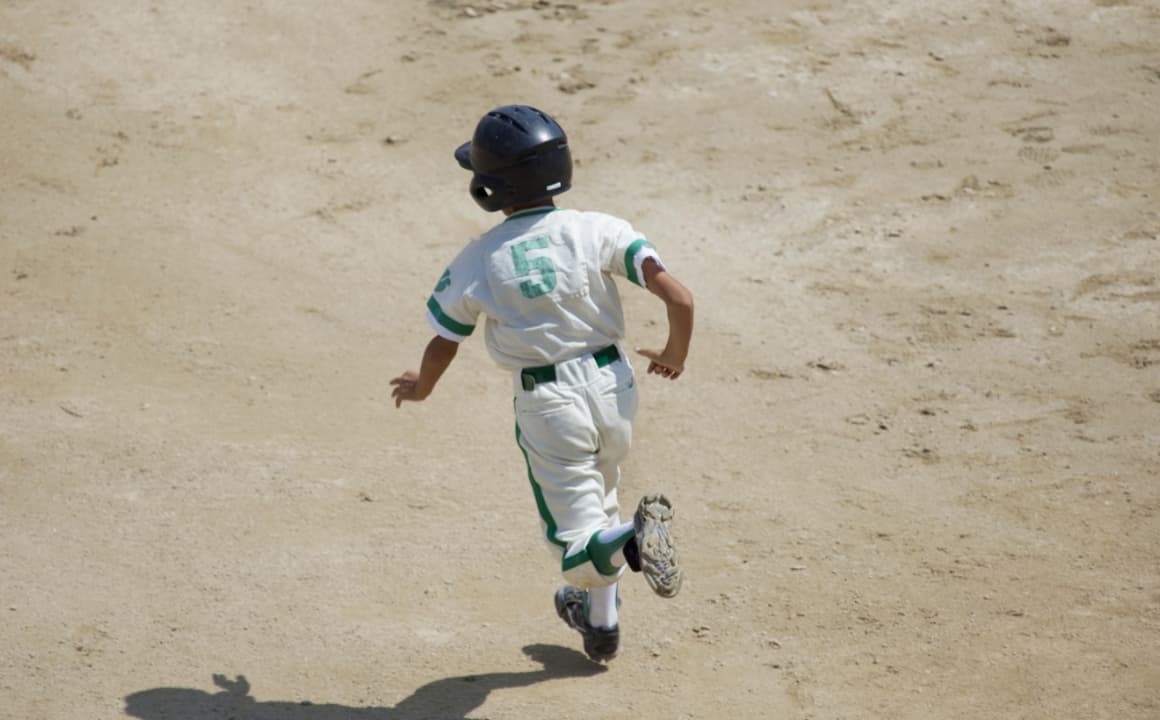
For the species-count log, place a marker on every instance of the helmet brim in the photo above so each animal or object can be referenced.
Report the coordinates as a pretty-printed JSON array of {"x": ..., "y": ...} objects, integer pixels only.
[{"x": 463, "y": 156}]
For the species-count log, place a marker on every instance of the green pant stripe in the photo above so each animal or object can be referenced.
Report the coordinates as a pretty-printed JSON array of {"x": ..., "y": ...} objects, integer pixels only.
[{"x": 569, "y": 562}]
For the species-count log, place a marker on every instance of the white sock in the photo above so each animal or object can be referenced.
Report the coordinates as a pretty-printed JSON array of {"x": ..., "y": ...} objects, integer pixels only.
[
  {"x": 618, "y": 536},
  {"x": 602, "y": 606},
  {"x": 612, "y": 534}
]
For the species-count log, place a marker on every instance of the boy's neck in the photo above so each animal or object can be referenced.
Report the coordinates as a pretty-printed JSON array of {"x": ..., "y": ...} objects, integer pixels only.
[{"x": 509, "y": 211}]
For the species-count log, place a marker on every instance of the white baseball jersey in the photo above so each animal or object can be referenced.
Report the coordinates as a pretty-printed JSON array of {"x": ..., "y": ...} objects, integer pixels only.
[{"x": 543, "y": 281}]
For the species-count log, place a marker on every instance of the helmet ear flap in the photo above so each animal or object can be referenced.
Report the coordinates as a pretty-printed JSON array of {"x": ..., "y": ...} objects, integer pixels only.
[{"x": 490, "y": 194}]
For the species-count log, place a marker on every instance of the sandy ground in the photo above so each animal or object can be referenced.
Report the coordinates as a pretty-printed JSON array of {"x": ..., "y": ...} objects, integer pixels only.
[{"x": 915, "y": 456}]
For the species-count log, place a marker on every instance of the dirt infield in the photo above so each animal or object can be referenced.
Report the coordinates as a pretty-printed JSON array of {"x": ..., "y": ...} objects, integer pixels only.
[{"x": 915, "y": 455}]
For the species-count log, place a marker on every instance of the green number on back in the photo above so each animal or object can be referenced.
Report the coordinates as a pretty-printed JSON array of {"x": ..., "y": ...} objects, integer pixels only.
[{"x": 525, "y": 266}]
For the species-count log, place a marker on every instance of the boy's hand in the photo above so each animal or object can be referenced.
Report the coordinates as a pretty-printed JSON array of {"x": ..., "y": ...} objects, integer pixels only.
[
  {"x": 407, "y": 388},
  {"x": 660, "y": 364}
]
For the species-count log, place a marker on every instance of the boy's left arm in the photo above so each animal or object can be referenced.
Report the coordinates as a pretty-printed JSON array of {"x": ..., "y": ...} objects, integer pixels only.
[{"x": 416, "y": 386}]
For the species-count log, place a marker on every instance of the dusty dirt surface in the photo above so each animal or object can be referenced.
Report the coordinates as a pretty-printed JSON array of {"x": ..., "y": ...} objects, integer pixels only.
[{"x": 914, "y": 458}]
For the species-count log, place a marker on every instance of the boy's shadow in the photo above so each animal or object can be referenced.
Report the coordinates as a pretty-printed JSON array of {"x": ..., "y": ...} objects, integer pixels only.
[{"x": 447, "y": 699}]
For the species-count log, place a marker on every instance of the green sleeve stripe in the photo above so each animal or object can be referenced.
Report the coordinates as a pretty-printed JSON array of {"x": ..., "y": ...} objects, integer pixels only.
[
  {"x": 450, "y": 323},
  {"x": 630, "y": 260}
]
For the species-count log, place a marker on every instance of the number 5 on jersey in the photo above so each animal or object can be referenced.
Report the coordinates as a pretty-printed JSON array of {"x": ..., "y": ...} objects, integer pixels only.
[{"x": 525, "y": 266}]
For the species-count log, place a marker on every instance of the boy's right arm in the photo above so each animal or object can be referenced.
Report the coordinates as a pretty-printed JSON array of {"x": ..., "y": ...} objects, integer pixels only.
[
  {"x": 670, "y": 362},
  {"x": 416, "y": 386}
]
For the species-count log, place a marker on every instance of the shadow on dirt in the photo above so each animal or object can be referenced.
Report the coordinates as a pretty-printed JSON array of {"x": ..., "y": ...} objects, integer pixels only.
[{"x": 447, "y": 699}]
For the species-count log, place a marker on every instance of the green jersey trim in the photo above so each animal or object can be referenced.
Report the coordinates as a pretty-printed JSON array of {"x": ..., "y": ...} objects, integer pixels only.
[
  {"x": 450, "y": 323},
  {"x": 530, "y": 212},
  {"x": 630, "y": 260}
]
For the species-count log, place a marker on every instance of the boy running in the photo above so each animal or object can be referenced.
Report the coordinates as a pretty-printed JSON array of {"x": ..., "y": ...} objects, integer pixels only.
[{"x": 543, "y": 281}]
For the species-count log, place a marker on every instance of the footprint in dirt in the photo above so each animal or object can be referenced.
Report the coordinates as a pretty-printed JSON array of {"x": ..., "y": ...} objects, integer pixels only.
[{"x": 16, "y": 55}]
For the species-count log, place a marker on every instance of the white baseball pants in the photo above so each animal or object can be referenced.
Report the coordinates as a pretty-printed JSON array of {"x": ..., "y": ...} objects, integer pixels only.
[{"x": 574, "y": 433}]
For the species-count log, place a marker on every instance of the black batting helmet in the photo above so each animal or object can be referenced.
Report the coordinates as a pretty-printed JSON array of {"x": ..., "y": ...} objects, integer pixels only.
[{"x": 517, "y": 155}]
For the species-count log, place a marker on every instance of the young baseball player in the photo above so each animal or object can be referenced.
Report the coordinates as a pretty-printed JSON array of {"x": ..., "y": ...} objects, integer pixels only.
[{"x": 543, "y": 282}]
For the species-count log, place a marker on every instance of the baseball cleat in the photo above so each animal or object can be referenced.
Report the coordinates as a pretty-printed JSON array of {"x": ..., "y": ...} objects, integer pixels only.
[
  {"x": 601, "y": 644},
  {"x": 654, "y": 545}
]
